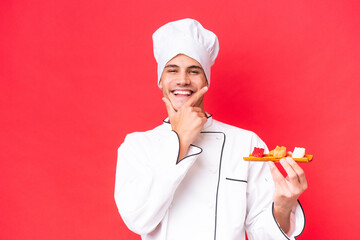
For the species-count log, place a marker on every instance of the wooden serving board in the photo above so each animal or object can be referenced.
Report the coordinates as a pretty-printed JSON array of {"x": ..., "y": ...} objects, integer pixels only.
[{"x": 266, "y": 157}]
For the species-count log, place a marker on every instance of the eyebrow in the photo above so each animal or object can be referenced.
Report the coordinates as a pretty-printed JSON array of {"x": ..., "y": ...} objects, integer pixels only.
[
  {"x": 195, "y": 66},
  {"x": 176, "y": 66},
  {"x": 171, "y": 65}
]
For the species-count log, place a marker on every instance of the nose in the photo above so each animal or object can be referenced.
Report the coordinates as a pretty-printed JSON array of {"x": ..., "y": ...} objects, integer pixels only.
[{"x": 183, "y": 79}]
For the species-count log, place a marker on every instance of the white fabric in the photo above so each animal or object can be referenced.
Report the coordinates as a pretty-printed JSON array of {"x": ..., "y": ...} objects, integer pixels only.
[
  {"x": 211, "y": 194},
  {"x": 189, "y": 37}
]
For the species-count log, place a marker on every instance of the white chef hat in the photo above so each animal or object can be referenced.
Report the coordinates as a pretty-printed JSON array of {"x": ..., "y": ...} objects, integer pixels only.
[{"x": 187, "y": 37}]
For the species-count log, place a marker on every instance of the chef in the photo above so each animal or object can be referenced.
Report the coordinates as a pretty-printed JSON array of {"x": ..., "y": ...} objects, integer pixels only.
[{"x": 186, "y": 179}]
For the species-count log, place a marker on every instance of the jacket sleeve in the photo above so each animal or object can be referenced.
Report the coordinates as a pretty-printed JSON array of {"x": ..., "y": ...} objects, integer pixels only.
[
  {"x": 260, "y": 221},
  {"x": 147, "y": 175}
]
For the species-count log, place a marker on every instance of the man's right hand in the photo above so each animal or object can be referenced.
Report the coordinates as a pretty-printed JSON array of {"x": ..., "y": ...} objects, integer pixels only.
[{"x": 187, "y": 121}]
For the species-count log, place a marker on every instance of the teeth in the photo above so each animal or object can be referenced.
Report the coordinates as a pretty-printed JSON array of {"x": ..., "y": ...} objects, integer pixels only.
[{"x": 182, "y": 92}]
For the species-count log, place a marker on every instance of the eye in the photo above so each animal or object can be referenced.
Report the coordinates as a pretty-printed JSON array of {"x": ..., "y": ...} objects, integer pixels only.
[
  {"x": 172, "y": 70},
  {"x": 194, "y": 72}
]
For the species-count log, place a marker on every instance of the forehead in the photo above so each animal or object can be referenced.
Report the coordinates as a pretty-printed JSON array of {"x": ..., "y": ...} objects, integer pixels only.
[{"x": 182, "y": 60}]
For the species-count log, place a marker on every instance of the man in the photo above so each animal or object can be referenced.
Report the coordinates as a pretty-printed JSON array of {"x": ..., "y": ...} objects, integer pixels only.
[{"x": 186, "y": 179}]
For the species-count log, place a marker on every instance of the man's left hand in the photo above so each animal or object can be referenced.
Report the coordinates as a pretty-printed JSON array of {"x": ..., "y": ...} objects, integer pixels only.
[{"x": 287, "y": 190}]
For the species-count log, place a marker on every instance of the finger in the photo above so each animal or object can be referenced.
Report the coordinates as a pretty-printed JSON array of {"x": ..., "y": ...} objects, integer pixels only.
[
  {"x": 276, "y": 174},
  {"x": 299, "y": 171},
  {"x": 200, "y": 112},
  {"x": 169, "y": 107},
  {"x": 292, "y": 177},
  {"x": 197, "y": 109},
  {"x": 202, "y": 115},
  {"x": 194, "y": 99}
]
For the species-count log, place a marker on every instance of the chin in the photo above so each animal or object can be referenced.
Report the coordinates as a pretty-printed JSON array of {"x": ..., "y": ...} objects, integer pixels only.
[
  {"x": 177, "y": 107},
  {"x": 177, "y": 104}
]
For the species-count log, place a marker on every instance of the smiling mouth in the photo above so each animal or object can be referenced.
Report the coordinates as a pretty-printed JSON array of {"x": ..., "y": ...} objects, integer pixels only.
[{"x": 182, "y": 92}]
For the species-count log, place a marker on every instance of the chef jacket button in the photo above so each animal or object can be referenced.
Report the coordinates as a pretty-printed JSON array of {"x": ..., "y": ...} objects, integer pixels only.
[
  {"x": 218, "y": 137},
  {"x": 211, "y": 206}
]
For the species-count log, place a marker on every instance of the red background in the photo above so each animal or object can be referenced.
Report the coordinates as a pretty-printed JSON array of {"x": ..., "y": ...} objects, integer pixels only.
[{"x": 77, "y": 76}]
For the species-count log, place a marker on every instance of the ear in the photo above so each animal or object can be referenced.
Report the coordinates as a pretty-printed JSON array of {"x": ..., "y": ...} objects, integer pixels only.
[{"x": 206, "y": 81}]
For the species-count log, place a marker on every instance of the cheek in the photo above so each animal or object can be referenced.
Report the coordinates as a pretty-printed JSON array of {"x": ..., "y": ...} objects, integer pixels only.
[
  {"x": 163, "y": 90},
  {"x": 162, "y": 87},
  {"x": 201, "y": 82},
  {"x": 164, "y": 83}
]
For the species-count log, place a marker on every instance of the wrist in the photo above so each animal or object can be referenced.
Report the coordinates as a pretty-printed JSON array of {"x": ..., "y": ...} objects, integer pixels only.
[
  {"x": 184, "y": 140},
  {"x": 281, "y": 212},
  {"x": 282, "y": 217},
  {"x": 282, "y": 208},
  {"x": 184, "y": 147}
]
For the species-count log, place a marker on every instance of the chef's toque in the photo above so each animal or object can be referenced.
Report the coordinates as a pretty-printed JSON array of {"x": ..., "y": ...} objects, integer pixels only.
[{"x": 187, "y": 37}]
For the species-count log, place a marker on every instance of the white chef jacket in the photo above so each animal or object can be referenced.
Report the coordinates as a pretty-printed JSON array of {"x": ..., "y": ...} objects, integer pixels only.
[{"x": 210, "y": 194}]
